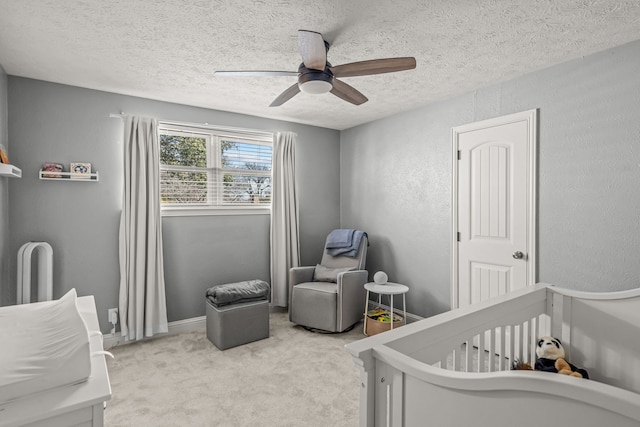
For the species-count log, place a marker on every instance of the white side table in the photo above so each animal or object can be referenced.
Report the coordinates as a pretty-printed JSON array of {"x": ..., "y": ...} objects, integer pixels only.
[{"x": 390, "y": 289}]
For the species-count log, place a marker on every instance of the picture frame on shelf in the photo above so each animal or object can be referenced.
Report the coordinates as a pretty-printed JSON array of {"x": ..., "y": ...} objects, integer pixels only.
[
  {"x": 80, "y": 170},
  {"x": 52, "y": 170},
  {"x": 4, "y": 157}
]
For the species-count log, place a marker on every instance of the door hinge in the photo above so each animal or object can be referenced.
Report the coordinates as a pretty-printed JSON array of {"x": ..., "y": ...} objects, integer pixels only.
[
  {"x": 458, "y": 236},
  {"x": 459, "y": 154}
]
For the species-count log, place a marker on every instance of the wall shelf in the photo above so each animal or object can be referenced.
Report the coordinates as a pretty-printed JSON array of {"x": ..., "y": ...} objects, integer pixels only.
[
  {"x": 10, "y": 171},
  {"x": 69, "y": 176}
]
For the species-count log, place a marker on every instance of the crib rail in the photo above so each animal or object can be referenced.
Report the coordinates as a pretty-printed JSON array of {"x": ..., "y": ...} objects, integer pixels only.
[
  {"x": 483, "y": 338},
  {"x": 413, "y": 372},
  {"x": 600, "y": 333}
]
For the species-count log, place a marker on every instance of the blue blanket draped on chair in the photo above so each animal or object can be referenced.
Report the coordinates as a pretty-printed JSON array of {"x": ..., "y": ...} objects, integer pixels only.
[{"x": 344, "y": 241}]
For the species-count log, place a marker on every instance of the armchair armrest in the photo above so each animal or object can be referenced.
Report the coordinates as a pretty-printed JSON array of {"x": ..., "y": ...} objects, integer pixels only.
[
  {"x": 353, "y": 278},
  {"x": 298, "y": 275},
  {"x": 351, "y": 297}
]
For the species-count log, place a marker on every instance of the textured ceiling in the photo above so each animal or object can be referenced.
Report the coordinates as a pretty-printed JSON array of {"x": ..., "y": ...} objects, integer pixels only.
[{"x": 168, "y": 50}]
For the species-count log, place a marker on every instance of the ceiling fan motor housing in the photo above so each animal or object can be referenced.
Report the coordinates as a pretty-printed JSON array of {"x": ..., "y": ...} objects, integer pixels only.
[{"x": 315, "y": 81}]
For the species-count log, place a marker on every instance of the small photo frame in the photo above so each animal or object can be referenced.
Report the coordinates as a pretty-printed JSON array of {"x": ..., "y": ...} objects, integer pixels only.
[
  {"x": 52, "y": 170},
  {"x": 80, "y": 170},
  {"x": 4, "y": 157}
]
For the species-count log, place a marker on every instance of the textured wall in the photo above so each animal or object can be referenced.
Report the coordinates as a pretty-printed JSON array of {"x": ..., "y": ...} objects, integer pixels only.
[
  {"x": 396, "y": 178},
  {"x": 4, "y": 196},
  {"x": 51, "y": 122},
  {"x": 394, "y": 181}
]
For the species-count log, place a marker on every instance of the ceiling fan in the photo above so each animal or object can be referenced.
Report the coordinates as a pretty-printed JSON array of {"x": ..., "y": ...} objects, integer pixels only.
[{"x": 316, "y": 75}]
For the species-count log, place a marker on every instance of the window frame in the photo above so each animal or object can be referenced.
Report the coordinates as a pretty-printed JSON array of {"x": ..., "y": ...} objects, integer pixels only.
[{"x": 214, "y": 137}]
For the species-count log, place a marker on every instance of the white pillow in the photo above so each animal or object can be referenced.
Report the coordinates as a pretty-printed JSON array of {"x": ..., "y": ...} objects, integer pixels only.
[{"x": 44, "y": 345}]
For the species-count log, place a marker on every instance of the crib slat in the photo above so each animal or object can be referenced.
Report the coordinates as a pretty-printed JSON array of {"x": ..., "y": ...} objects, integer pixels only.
[
  {"x": 512, "y": 342},
  {"x": 524, "y": 343},
  {"x": 518, "y": 341},
  {"x": 535, "y": 331},
  {"x": 544, "y": 325},
  {"x": 503, "y": 356},
  {"x": 552, "y": 306},
  {"x": 512, "y": 336},
  {"x": 566, "y": 324},
  {"x": 492, "y": 350},
  {"x": 481, "y": 353},
  {"x": 454, "y": 360},
  {"x": 469, "y": 362}
]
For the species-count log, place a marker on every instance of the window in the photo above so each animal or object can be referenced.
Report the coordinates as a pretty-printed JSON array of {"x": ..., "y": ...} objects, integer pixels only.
[{"x": 208, "y": 169}]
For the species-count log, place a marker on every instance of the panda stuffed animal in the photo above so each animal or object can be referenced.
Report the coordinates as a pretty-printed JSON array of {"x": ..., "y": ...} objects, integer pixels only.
[{"x": 551, "y": 358}]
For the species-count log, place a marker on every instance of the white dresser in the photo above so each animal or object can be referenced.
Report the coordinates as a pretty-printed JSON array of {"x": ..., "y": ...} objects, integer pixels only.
[{"x": 76, "y": 405}]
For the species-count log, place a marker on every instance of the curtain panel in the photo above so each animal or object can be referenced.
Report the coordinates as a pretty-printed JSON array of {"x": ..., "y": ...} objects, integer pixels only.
[
  {"x": 142, "y": 305},
  {"x": 285, "y": 252}
]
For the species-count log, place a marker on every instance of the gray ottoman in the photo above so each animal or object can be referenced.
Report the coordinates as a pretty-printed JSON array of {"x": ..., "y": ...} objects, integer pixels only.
[
  {"x": 237, "y": 313},
  {"x": 233, "y": 325}
]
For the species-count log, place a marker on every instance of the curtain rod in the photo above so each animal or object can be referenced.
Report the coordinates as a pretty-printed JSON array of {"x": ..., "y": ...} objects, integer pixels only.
[{"x": 207, "y": 126}]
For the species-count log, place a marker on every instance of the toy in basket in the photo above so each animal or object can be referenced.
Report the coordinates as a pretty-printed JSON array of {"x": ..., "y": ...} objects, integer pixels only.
[{"x": 379, "y": 320}]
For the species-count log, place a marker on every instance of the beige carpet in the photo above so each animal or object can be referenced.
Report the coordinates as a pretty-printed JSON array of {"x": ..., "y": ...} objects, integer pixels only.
[{"x": 293, "y": 378}]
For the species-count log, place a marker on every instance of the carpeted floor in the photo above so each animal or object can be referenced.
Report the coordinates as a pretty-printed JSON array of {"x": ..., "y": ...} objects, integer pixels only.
[{"x": 293, "y": 378}]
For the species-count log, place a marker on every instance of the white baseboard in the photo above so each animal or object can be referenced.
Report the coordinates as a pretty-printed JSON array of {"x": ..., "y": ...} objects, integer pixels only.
[
  {"x": 177, "y": 327},
  {"x": 195, "y": 323}
]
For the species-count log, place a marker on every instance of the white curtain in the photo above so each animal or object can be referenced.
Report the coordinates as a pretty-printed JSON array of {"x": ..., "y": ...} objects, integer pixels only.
[
  {"x": 285, "y": 251},
  {"x": 143, "y": 309}
]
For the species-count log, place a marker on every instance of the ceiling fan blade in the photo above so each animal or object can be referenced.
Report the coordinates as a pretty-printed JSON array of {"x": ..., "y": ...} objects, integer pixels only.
[
  {"x": 289, "y": 93},
  {"x": 312, "y": 49},
  {"x": 374, "y": 66},
  {"x": 347, "y": 92},
  {"x": 255, "y": 73}
]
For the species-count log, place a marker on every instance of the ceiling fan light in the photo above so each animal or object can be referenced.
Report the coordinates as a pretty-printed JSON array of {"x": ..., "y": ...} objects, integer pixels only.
[{"x": 315, "y": 86}]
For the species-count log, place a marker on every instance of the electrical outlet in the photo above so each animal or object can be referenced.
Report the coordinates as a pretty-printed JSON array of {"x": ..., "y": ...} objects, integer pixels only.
[{"x": 113, "y": 316}]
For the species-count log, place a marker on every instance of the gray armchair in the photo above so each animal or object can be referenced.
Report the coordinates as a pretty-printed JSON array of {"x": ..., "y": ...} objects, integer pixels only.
[{"x": 315, "y": 302}]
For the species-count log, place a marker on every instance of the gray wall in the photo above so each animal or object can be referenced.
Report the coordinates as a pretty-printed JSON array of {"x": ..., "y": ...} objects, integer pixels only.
[
  {"x": 4, "y": 193},
  {"x": 396, "y": 178},
  {"x": 56, "y": 123},
  {"x": 393, "y": 180}
]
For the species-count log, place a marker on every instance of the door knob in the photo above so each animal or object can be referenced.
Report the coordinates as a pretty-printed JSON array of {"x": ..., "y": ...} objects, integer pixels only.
[{"x": 518, "y": 255}]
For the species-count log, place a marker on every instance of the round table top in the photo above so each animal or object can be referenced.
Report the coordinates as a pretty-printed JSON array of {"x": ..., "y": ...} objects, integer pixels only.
[{"x": 388, "y": 288}]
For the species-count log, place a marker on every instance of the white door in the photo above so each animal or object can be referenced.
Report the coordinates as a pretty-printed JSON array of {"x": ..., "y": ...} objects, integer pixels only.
[{"x": 494, "y": 207}]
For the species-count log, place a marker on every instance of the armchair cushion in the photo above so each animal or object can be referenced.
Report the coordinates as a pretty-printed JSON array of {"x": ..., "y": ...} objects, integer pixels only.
[
  {"x": 325, "y": 274},
  {"x": 314, "y": 305}
]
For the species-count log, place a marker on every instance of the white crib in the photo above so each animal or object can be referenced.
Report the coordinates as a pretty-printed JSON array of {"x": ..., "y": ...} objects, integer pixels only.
[{"x": 454, "y": 369}]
